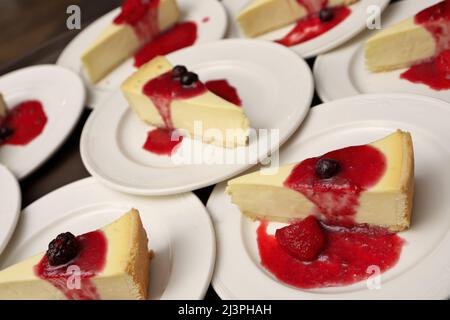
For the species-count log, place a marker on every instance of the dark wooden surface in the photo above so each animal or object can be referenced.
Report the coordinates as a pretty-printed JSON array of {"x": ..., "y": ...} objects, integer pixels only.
[{"x": 34, "y": 32}]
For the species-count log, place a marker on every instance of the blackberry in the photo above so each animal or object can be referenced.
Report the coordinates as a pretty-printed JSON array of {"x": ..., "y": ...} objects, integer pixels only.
[{"x": 62, "y": 249}]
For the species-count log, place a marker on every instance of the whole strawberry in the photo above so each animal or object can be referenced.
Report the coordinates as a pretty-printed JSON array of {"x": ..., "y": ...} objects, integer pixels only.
[{"x": 304, "y": 240}]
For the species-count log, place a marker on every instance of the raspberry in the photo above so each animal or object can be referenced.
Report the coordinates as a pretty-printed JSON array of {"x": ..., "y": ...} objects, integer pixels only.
[{"x": 303, "y": 240}]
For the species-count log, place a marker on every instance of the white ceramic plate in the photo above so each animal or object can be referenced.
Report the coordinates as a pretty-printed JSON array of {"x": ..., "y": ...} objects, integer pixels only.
[
  {"x": 10, "y": 202},
  {"x": 423, "y": 271},
  {"x": 347, "y": 64},
  {"x": 62, "y": 95},
  {"x": 275, "y": 85},
  {"x": 191, "y": 10},
  {"x": 179, "y": 230},
  {"x": 346, "y": 30}
]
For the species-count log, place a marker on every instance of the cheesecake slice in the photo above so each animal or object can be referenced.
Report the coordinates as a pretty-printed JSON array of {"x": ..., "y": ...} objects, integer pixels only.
[
  {"x": 412, "y": 41},
  {"x": 138, "y": 23},
  {"x": 4, "y": 132},
  {"x": 173, "y": 97},
  {"x": 369, "y": 184},
  {"x": 110, "y": 263},
  {"x": 262, "y": 16},
  {"x": 3, "y": 108}
]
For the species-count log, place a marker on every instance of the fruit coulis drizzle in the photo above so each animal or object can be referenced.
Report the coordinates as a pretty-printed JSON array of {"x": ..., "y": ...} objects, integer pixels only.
[
  {"x": 24, "y": 122},
  {"x": 162, "y": 141},
  {"x": 348, "y": 255},
  {"x": 142, "y": 16},
  {"x": 311, "y": 27},
  {"x": 436, "y": 72},
  {"x": 350, "y": 249},
  {"x": 337, "y": 198},
  {"x": 225, "y": 90},
  {"x": 90, "y": 261},
  {"x": 181, "y": 35},
  {"x": 164, "y": 89}
]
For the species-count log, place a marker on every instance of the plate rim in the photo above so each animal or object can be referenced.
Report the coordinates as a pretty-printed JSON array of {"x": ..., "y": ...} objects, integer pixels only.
[
  {"x": 71, "y": 125},
  {"x": 13, "y": 183}
]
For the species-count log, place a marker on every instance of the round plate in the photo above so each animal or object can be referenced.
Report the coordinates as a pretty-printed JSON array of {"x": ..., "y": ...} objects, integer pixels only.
[
  {"x": 10, "y": 202},
  {"x": 344, "y": 31},
  {"x": 179, "y": 230},
  {"x": 62, "y": 95},
  {"x": 423, "y": 271},
  {"x": 209, "y": 15},
  {"x": 348, "y": 65},
  {"x": 276, "y": 88}
]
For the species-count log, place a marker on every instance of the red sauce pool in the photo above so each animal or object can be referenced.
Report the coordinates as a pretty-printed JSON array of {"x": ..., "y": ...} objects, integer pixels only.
[
  {"x": 27, "y": 120},
  {"x": 162, "y": 141},
  {"x": 346, "y": 259},
  {"x": 90, "y": 261},
  {"x": 429, "y": 74}
]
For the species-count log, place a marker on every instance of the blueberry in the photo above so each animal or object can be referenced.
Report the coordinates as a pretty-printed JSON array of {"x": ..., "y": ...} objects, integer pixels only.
[
  {"x": 62, "y": 249},
  {"x": 189, "y": 78},
  {"x": 326, "y": 15},
  {"x": 327, "y": 168},
  {"x": 178, "y": 71},
  {"x": 5, "y": 133}
]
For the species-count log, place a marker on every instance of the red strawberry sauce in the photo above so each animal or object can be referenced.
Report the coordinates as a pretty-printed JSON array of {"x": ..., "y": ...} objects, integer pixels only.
[
  {"x": 162, "y": 91},
  {"x": 90, "y": 262},
  {"x": 180, "y": 36},
  {"x": 337, "y": 198},
  {"x": 225, "y": 90},
  {"x": 311, "y": 27},
  {"x": 27, "y": 121},
  {"x": 350, "y": 249},
  {"x": 346, "y": 258},
  {"x": 143, "y": 16}
]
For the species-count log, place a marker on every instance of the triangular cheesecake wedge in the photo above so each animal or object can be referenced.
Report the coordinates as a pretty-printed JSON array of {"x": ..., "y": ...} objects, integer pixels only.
[
  {"x": 3, "y": 108},
  {"x": 369, "y": 184},
  {"x": 110, "y": 263},
  {"x": 172, "y": 97},
  {"x": 411, "y": 41},
  {"x": 4, "y": 131},
  {"x": 262, "y": 16},
  {"x": 138, "y": 23}
]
